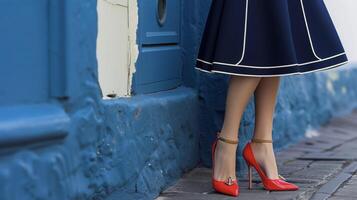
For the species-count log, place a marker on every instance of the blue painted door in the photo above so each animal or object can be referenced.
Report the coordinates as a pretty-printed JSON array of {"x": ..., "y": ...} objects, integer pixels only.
[{"x": 159, "y": 66}]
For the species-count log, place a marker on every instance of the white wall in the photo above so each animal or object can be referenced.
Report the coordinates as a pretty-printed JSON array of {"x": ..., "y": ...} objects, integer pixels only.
[
  {"x": 112, "y": 46},
  {"x": 344, "y": 15},
  {"x": 116, "y": 45}
]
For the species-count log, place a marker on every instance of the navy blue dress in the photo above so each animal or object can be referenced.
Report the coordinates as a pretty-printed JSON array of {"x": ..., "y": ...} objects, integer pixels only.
[{"x": 269, "y": 38}]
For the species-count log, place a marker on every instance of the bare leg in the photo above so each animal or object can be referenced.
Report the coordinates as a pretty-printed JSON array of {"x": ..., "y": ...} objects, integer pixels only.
[
  {"x": 240, "y": 90},
  {"x": 265, "y": 99}
]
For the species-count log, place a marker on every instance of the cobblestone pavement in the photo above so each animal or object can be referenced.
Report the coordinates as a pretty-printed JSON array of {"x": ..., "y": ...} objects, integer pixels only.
[{"x": 324, "y": 167}]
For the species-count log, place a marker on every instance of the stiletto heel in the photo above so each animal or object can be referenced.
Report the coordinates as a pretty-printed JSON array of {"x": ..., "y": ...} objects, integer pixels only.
[
  {"x": 228, "y": 186},
  {"x": 250, "y": 186},
  {"x": 278, "y": 184}
]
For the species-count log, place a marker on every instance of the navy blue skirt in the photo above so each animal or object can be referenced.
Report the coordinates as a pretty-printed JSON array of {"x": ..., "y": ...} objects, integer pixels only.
[{"x": 269, "y": 38}]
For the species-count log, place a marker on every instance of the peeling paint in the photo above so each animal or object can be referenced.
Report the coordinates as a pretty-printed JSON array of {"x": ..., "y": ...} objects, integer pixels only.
[
  {"x": 333, "y": 75},
  {"x": 330, "y": 87},
  {"x": 344, "y": 90},
  {"x": 133, "y": 40},
  {"x": 310, "y": 133}
]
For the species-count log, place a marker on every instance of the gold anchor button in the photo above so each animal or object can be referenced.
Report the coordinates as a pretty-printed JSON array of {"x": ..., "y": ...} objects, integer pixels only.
[{"x": 229, "y": 181}]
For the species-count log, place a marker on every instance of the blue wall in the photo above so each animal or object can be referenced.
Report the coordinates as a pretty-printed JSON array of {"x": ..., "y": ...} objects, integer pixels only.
[{"x": 60, "y": 140}]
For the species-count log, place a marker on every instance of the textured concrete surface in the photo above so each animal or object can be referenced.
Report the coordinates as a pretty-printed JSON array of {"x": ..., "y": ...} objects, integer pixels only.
[
  {"x": 149, "y": 142},
  {"x": 306, "y": 163}
]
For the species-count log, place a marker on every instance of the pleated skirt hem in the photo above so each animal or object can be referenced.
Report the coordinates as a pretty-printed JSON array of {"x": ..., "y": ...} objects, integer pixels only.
[{"x": 272, "y": 71}]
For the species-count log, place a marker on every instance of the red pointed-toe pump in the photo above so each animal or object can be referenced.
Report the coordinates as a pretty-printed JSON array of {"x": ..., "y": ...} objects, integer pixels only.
[
  {"x": 278, "y": 184},
  {"x": 228, "y": 186}
]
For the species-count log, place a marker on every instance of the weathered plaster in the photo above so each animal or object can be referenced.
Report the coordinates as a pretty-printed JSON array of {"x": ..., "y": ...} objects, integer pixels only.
[{"x": 134, "y": 48}]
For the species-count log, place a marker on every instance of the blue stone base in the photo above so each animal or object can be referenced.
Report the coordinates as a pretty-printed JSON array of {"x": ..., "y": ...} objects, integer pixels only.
[{"x": 156, "y": 140}]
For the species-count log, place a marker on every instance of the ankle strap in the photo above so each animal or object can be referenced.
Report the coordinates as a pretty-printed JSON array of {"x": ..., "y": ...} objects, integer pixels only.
[
  {"x": 256, "y": 140},
  {"x": 227, "y": 140}
]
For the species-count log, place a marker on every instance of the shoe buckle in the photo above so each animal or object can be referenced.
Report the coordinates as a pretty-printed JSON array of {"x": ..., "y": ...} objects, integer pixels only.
[{"x": 229, "y": 181}]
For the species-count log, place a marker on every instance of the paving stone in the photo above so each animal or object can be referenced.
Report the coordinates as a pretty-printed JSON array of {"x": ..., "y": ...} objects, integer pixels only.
[
  {"x": 349, "y": 189},
  {"x": 320, "y": 196},
  {"x": 191, "y": 186},
  {"x": 337, "y": 133},
  {"x": 347, "y": 151},
  {"x": 315, "y": 173},
  {"x": 268, "y": 196},
  {"x": 341, "y": 198},
  {"x": 286, "y": 155},
  {"x": 343, "y": 122},
  {"x": 352, "y": 168},
  {"x": 328, "y": 165},
  {"x": 323, "y": 144},
  {"x": 298, "y": 180},
  {"x": 198, "y": 174},
  {"x": 286, "y": 171},
  {"x": 306, "y": 149},
  {"x": 334, "y": 184},
  {"x": 341, "y": 133},
  {"x": 192, "y": 196},
  {"x": 297, "y": 163},
  {"x": 323, "y": 156}
]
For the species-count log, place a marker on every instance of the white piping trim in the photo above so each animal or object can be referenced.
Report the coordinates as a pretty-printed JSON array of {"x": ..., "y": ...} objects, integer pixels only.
[
  {"x": 245, "y": 31},
  {"x": 277, "y": 66},
  {"x": 206, "y": 62},
  {"x": 203, "y": 70},
  {"x": 308, "y": 30},
  {"x": 273, "y": 75}
]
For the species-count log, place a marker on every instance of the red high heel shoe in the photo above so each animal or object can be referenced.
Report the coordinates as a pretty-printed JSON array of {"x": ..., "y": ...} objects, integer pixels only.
[
  {"x": 227, "y": 186},
  {"x": 278, "y": 184}
]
